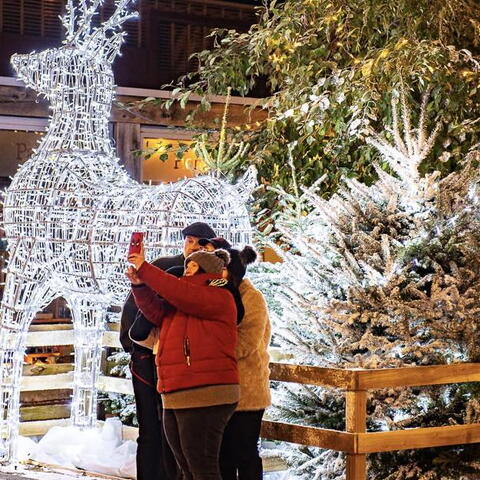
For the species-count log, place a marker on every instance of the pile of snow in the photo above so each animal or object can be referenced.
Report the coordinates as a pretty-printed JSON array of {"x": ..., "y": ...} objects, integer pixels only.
[
  {"x": 99, "y": 450},
  {"x": 276, "y": 476},
  {"x": 95, "y": 450}
]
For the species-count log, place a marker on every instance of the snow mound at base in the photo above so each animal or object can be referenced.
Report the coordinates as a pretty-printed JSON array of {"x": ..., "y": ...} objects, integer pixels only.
[{"x": 98, "y": 450}]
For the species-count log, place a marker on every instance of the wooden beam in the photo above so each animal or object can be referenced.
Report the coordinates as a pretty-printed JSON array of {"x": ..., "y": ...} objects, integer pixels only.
[
  {"x": 328, "y": 377},
  {"x": 41, "y": 427},
  {"x": 111, "y": 339},
  {"x": 44, "y": 412},
  {"x": 356, "y": 422},
  {"x": 65, "y": 336},
  {"x": 359, "y": 379},
  {"x": 316, "y": 437},
  {"x": 50, "y": 382},
  {"x": 356, "y": 411},
  {"x": 129, "y": 433},
  {"x": 128, "y": 141},
  {"x": 46, "y": 369},
  {"x": 113, "y": 326},
  {"x": 175, "y": 116},
  {"x": 67, "y": 472},
  {"x": 50, "y": 337},
  {"x": 49, "y": 327},
  {"x": 148, "y": 92},
  {"x": 115, "y": 384},
  {"x": 17, "y": 101},
  {"x": 418, "y": 376},
  {"x": 418, "y": 438}
]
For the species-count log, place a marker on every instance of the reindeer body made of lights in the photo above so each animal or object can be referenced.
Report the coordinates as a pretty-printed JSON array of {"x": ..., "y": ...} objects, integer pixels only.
[{"x": 71, "y": 208}]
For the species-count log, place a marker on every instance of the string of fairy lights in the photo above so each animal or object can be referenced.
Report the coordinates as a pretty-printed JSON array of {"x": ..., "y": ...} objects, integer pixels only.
[{"x": 71, "y": 208}]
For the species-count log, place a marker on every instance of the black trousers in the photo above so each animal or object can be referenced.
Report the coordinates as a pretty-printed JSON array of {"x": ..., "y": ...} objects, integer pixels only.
[
  {"x": 155, "y": 460},
  {"x": 195, "y": 435},
  {"x": 239, "y": 457}
]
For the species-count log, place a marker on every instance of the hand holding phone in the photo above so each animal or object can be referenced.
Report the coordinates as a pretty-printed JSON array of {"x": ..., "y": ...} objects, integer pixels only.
[
  {"x": 136, "y": 241},
  {"x": 135, "y": 251}
]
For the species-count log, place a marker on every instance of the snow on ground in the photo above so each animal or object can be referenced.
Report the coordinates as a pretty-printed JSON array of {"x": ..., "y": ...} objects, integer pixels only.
[
  {"x": 95, "y": 450},
  {"x": 99, "y": 450},
  {"x": 24, "y": 472}
]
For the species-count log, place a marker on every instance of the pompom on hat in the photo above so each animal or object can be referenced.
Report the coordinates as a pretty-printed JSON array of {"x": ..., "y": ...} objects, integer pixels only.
[{"x": 240, "y": 259}]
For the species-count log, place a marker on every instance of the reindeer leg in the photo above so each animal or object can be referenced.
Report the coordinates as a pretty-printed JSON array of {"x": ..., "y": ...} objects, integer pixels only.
[
  {"x": 22, "y": 298},
  {"x": 88, "y": 321}
]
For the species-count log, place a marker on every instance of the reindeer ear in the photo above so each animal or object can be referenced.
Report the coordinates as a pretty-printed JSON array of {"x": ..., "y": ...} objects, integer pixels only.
[{"x": 247, "y": 184}]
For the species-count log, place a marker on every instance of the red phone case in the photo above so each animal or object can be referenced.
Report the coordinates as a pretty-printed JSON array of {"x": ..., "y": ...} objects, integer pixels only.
[{"x": 135, "y": 243}]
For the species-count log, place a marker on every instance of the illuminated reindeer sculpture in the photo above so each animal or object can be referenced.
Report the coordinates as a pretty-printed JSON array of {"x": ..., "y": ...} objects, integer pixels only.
[{"x": 71, "y": 208}]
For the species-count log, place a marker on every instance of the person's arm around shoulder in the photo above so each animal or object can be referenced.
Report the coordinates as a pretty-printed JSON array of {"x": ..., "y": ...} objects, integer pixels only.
[{"x": 251, "y": 330}]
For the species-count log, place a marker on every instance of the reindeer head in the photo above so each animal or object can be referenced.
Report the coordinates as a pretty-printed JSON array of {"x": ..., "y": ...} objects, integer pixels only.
[{"x": 86, "y": 49}]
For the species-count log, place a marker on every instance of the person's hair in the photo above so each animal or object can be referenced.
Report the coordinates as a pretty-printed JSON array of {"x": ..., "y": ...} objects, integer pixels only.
[{"x": 200, "y": 269}]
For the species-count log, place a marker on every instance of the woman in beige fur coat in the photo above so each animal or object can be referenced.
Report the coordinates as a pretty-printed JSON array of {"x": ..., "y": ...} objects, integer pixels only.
[{"x": 239, "y": 457}]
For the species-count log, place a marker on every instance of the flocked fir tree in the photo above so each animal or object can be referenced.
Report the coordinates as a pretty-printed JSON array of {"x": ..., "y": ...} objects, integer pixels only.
[
  {"x": 120, "y": 404},
  {"x": 385, "y": 275}
]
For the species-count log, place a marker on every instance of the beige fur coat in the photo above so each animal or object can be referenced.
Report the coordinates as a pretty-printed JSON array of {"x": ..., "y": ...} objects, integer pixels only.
[{"x": 254, "y": 334}]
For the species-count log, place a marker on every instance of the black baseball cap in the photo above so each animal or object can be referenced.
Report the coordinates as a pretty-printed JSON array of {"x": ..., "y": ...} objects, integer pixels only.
[
  {"x": 217, "y": 242},
  {"x": 199, "y": 230}
]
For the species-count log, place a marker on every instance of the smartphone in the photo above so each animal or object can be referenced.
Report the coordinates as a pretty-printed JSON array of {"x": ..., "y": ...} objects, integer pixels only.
[{"x": 136, "y": 241}]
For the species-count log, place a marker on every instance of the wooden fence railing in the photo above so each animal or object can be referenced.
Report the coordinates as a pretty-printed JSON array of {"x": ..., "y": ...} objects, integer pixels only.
[{"x": 356, "y": 442}]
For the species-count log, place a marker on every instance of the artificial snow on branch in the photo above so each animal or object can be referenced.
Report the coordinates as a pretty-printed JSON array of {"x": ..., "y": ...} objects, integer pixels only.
[
  {"x": 409, "y": 146},
  {"x": 382, "y": 275}
]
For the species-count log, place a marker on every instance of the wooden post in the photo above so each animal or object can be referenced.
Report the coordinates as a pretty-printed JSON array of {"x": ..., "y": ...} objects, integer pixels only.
[
  {"x": 356, "y": 422},
  {"x": 128, "y": 140}
]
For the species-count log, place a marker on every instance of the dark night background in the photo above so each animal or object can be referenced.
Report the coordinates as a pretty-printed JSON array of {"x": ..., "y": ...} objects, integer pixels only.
[{"x": 158, "y": 44}]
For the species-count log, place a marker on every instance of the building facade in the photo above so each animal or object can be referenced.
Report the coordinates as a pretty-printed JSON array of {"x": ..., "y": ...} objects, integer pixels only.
[{"x": 156, "y": 52}]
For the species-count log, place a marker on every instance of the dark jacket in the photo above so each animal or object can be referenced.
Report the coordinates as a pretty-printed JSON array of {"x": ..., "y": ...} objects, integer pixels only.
[
  {"x": 130, "y": 309},
  {"x": 198, "y": 328}
]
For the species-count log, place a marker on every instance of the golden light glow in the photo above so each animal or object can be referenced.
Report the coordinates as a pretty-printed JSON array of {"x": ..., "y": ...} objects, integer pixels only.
[{"x": 171, "y": 169}]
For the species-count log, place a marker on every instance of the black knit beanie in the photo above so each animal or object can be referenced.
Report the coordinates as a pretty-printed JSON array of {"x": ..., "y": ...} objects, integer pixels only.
[{"x": 239, "y": 260}]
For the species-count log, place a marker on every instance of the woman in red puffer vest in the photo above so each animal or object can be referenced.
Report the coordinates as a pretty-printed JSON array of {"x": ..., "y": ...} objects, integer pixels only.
[{"x": 196, "y": 357}]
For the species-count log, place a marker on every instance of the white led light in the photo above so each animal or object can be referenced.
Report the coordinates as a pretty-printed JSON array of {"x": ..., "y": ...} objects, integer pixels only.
[{"x": 71, "y": 208}]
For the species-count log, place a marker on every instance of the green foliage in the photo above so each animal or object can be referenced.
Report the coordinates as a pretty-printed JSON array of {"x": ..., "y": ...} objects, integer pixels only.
[
  {"x": 224, "y": 156},
  {"x": 119, "y": 404},
  {"x": 329, "y": 65}
]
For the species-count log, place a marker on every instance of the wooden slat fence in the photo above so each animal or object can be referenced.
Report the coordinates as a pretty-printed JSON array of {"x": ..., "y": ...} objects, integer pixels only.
[{"x": 356, "y": 442}]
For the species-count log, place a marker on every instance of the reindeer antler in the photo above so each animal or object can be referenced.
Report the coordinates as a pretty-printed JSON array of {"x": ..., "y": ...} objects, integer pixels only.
[
  {"x": 68, "y": 21},
  {"x": 105, "y": 38},
  {"x": 109, "y": 36}
]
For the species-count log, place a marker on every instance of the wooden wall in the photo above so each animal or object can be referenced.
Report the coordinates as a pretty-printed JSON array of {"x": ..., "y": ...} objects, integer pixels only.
[
  {"x": 129, "y": 122},
  {"x": 158, "y": 44}
]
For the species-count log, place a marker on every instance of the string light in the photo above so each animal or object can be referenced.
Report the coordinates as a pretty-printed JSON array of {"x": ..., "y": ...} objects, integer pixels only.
[{"x": 71, "y": 208}]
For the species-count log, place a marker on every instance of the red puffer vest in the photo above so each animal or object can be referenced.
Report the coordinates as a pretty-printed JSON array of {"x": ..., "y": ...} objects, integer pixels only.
[{"x": 198, "y": 328}]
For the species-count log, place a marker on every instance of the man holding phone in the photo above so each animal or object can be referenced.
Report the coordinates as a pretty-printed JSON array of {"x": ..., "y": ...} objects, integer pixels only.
[{"x": 155, "y": 461}]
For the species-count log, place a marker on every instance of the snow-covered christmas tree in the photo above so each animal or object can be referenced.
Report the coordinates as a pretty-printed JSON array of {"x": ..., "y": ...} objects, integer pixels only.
[{"x": 385, "y": 275}]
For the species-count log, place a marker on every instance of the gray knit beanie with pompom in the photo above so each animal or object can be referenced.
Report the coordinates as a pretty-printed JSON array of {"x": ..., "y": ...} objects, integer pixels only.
[{"x": 210, "y": 262}]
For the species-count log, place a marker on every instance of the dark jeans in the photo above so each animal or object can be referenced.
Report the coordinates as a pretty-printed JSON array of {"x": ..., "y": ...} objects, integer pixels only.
[
  {"x": 239, "y": 458},
  {"x": 155, "y": 460},
  {"x": 195, "y": 435}
]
